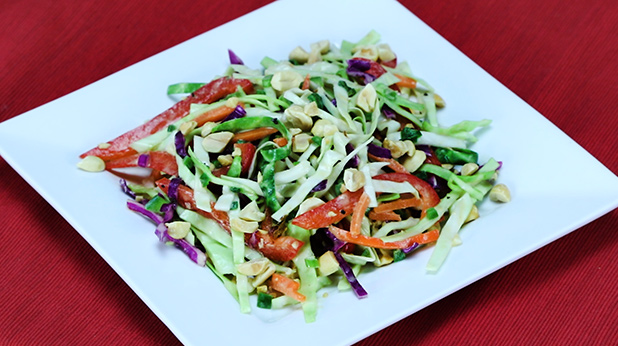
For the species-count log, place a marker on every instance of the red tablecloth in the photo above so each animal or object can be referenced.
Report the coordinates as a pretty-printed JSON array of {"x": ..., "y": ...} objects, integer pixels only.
[{"x": 559, "y": 56}]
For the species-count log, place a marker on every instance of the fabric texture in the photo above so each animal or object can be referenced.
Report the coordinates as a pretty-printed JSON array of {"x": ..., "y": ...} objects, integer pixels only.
[{"x": 558, "y": 56}]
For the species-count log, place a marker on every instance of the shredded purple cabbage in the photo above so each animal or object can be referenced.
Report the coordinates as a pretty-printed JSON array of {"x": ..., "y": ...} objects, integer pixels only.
[
  {"x": 426, "y": 149},
  {"x": 319, "y": 187},
  {"x": 379, "y": 151},
  {"x": 356, "y": 68},
  {"x": 323, "y": 240},
  {"x": 438, "y": 184},
  {"x": 497, "y": 169},
  {"x": 142, "y": 160},
  {"x": 168, "y": 211},
  {"x": 354, "y": 161},
  {"x": 411, "y": 248},
  {"x": 125, "y": 188},
  {"x": 238, "y": 112},
  {"x": 139, "y": 208},
  {"x": 349, "y": 275},
  {"x": 234, "y": 59},
  {"x": 388, "y": 112},
  {"x": 194, "y": 253},
  {"x": 337, "y": 243},
  {"x": 359, "y": 64},
  {"x": 172, "y": 189},
  {"x": 179, "y": 142}
]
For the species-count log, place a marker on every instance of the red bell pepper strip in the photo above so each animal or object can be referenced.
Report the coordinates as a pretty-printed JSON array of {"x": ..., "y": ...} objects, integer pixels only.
[
  {"x": 281, "y": 141},
  {"x": 390, "y": 63},
  {"x": 217, "y": 172},
  {"x": 384, "y": 216},
  {"x": 429, "y": 196},
  {"x": 405, "y": 82},
  {"x": 159, "y": 160},
  {"x": 247, "y": 151},
  {"x": 213, "y": 115},
  {"x": 330, "y": 212},
  {"x": 282, "y": 248},
  {"x": 286, "y": 286},
  {"x": 358, "y": 213},
  {"x": 378, "y": 243},
  {"x": 186, "y": 200},
  {"x": 306, "y": 82},
  {"x": 254, "y": 134},
  {"x": 431, "y": 157},
  {"x": 392, "y": 163},
  {"x": 400, "y": 203},
  {"x": 213, "y": 91}
]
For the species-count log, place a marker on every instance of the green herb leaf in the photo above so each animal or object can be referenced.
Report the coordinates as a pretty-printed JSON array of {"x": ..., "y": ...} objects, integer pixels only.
[
  {"x": 312, "y": 262},
  {"x": 432, "y": 213},
  {"x": 456, "y": 156},
  {"x": 398, "y": 255},
  {"x": 183, "y": 88},
  {"x": 410, "y": 134},
  {"x": 264, "y": 301}
]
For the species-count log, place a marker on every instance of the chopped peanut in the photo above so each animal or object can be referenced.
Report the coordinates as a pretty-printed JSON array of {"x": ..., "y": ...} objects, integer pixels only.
[
  {"x": 242, "y": 225},
  {"x": 324, "y": 128},
  {"x": 225, "y": 160},
  {"x": 187, "y": 127},
  {"x": 207, "y": 128},
  {"x": 474, "y": 214},
  {"x": 285, "y": 80},
  {"x": 500, "y": 193},
  {"x": 353, "y": 179},
  {"x": 91, "y": 164},
  {"x": 397, "y": 148},
  {"x": 296, "y": 116},
  {"x": 328, "y": 264},
  {"x": 299, "y": 54},
  {"x": 385, "y": 52},
  {"x": 412, "y": 163},
  {"x": 469, "y": 168},
  {"x": 251, "y": 212},
  {"x": 367, "y": 98},
  {"x": 253, "y": 267},
  {"x": 308, "y": 204},
  {"x": 301, "y": 142},
  {"x": 368, "y": 52},
  {"x": 178, "y": 229},
  {"x": 216, "y": 142}
]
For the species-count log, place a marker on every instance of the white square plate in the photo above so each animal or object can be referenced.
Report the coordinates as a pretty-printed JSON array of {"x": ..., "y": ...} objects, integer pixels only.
[{"x": 537, "y": 157}]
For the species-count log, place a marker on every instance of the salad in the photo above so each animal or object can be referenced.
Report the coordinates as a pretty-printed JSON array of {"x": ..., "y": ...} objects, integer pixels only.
[{"x": 301, "y": 173}]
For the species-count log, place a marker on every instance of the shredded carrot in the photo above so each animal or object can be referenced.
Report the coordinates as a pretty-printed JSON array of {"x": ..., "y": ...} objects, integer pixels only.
[
  {"x": 253, "y": 135},
  {"x": 280, "y": 141},
  {"x": 401, "y": 203},
  {"x": 405, "y": 82},
  {"x": 378, "y": 243},
  {"x": 358, "y": 213},
  {"x": 216, "y": 114},
  {"x": 384, "y": 216},
  {"x": 392, "y": 163},
  {"x": 306, "y": 82},
  {"x": 286, "y": 286}
]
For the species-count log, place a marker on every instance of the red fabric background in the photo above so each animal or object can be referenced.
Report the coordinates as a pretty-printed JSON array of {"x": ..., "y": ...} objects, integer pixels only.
[{"x": 558, "y": 56}]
